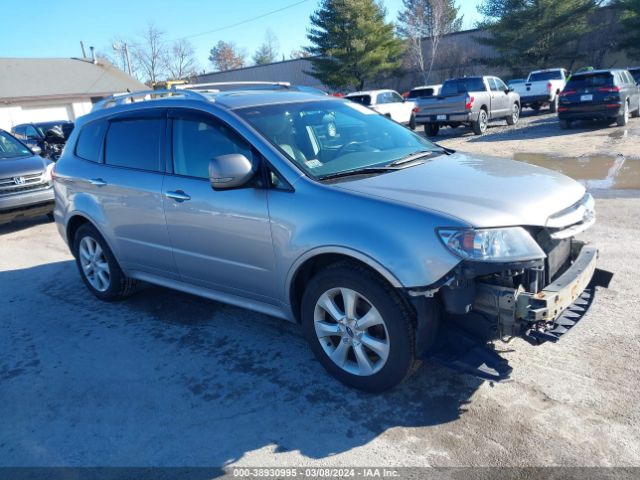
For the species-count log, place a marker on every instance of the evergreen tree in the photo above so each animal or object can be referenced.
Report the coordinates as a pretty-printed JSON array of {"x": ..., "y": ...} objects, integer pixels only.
[
  {"x": 352, "y": 43},
  {"x": 268, "y": 51},
  {"x": 631, "y": 24},
  {"x": 530, "y": 33}
]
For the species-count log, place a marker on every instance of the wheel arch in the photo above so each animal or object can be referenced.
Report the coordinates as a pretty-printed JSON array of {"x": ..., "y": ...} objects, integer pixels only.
[
  {"x": 75, "y": 221},
  {"x": 314, "y": 261}
]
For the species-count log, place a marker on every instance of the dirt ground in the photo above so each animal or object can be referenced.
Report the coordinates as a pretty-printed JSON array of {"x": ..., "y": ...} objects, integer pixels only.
[
  {"x": 167, "y": 379},
  {"x": 541, "y": 133}
]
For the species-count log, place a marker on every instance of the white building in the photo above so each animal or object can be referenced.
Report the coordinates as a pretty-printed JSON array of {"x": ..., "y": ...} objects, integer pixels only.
[{"x": 43, "y": 89}]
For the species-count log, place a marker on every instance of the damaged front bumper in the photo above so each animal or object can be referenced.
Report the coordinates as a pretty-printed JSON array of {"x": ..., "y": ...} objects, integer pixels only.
[
  {"x": 465, "y": 341},
  {"x": 538, "y": 317}
]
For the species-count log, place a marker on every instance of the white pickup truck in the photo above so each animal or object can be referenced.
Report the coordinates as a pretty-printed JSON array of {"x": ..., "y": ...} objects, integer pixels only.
[{"x": 542, "y": 87}]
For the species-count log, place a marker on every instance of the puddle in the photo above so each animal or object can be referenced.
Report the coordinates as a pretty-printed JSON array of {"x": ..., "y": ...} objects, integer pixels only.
[
  {"x": 626, "y": 133},
  {"x": 595, "y": 172}
]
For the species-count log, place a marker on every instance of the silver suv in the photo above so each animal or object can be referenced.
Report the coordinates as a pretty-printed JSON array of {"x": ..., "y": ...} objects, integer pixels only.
[{"x": 322, "y": 212}]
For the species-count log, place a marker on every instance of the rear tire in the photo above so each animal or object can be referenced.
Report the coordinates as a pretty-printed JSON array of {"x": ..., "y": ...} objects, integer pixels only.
[
  {"x": 636, "y": 113},
  {"x": 515, "y": 115},
  {"x": 536, "y": 107},
  {"x": 412, "y": 122},
  {"x": 553, "y": 106},
  {"x": 431, "y": 129},
  {"x": 98, "y": 267},
  {"x": 480, "y": 125},
  {"x": 340, "y": 340},
  {"x": 622, "y": 120},
  {"x": 565, "y": 124}
]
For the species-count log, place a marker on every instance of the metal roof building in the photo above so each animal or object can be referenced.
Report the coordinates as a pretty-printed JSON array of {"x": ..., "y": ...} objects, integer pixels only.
[{"x": 42, "y": 89}]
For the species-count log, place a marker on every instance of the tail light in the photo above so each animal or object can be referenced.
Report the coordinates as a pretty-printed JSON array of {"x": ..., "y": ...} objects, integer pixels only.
[
  {"x": 566, "y": 93},
  {"x": 609, "y": 89},
  {"x": 469, "y": 102},
  {"x": 415, "y": 110},
  {"x": 549, "y": 86}
]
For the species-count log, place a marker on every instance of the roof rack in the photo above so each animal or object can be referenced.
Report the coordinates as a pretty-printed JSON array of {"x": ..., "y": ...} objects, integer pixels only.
[
  {"x": 212, "y": 85},
  {"x": 146, "y": 95}
]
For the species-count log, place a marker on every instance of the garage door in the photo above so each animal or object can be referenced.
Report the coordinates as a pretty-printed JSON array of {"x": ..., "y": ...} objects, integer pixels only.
[{"x": 46, "y": 113}]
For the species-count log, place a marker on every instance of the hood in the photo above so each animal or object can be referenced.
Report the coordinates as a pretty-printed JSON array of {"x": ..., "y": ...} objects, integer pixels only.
[
  {"x": 482, "y": 191},
  {"x": 16, "y": 167}
]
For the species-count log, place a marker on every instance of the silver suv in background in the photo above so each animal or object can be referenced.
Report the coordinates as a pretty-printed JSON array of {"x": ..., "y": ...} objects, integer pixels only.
[
  {"x": 384, "y": 246},
  {"x": 473, "y": 101},
  {"x": 26, "y": 187}
]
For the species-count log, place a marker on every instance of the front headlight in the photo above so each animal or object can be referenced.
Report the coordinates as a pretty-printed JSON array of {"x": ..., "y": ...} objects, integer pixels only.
[{"x": 512, "y": 244}]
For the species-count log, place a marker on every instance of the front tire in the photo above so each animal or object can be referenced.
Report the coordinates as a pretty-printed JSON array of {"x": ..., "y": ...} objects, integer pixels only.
[
  {"x": 98, "y": 267},
  {"x": 358, "y": 327},
  {"x": 431, "y": 129}
]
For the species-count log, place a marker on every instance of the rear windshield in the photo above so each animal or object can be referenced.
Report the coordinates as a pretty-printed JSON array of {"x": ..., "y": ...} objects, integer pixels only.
[
  {"x": 544, "y": 76},
  {"x": 361, "y": 99},
  {"x": 462, "y": 85},
  {"x": 636, "y": 74},
  {"x": 590, "y": 80},
  {"x": 421, "y": 93}
]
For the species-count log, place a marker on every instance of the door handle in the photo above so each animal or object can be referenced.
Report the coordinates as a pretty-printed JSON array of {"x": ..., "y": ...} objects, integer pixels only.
[
  {"x": 98, "y": 182},
  {"x": 178, "y": 196}
]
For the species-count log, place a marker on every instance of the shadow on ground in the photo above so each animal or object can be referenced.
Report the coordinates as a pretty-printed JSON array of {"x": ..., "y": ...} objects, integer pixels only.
[{"x": 168, "y": 379}]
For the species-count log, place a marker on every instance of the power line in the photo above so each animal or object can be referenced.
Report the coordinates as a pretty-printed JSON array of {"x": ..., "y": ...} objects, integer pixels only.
[{"x": 246, "y": 21}]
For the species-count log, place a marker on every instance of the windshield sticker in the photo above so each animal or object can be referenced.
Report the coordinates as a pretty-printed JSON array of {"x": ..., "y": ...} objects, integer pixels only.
[
  {"x": 313, "y": 163},
  {"x": 360, "y": 108}
]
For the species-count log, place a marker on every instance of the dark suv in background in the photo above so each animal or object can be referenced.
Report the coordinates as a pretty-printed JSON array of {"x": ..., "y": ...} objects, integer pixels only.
[{"x": 600, "y": 95}]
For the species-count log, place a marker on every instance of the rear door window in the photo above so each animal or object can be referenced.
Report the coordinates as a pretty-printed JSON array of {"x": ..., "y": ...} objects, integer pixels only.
[
  {"x": 135, "y": 143},
  {"x": 492, "y": 84}
]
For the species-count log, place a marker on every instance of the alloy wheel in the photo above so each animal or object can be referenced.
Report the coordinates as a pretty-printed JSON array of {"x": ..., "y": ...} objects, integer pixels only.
[
  {"x": 94, "y": 264},
  {"x": 351, "y": 331}
]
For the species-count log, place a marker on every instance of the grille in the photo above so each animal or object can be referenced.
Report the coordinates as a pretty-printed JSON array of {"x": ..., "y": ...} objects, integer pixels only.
[{"x": 33, "y": 181}]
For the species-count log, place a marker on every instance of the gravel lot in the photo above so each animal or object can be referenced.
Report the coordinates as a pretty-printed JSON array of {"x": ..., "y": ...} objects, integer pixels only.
[{"x": 167, "y": 379}]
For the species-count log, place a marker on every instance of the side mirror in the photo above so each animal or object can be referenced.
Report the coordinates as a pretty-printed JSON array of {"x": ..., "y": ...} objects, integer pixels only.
[
  {"x": 36, "y": 150},
  {"x": 509, "y": 89},
  {"x": 230, "y": 171}
]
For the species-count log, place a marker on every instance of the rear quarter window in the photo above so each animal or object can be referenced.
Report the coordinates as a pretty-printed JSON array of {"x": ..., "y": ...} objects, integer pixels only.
[
  {"x": 89, "y": 144},
  {"x": 134, "y": 143}
]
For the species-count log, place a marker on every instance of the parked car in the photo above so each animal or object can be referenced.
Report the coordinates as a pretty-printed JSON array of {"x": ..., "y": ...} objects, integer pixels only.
[
  {"x": 388, "y": 103},
  {"x": 25, "y": 180},
  {"x": 542, "y": 87},
  {"x": 600, "y": 94},
  {"x": 635, "y": 72},
  {"x": 319, "y": 211},
  {"x": 50, "y": 137},
  {"x": 515, "y": 81},
  {"x": 424, "y": 91},
  {"x": 472, "y": 101}
]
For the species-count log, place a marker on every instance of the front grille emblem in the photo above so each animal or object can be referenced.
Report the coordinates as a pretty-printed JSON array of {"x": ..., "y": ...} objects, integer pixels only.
[{"x": 19, "y": 180}]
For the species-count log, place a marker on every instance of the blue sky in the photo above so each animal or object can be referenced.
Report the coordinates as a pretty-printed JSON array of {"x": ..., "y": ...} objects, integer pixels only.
[{"x": 54, "y": 29}]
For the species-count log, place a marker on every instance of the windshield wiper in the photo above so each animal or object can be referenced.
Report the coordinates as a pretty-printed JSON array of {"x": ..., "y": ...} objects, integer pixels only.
[
  {"x": 358, "y": 171},
  {"x": 416, "y": 156}
]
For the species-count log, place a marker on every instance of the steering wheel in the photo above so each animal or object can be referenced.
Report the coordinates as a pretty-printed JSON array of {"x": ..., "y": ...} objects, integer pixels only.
[{"x": 347, "y": 145}]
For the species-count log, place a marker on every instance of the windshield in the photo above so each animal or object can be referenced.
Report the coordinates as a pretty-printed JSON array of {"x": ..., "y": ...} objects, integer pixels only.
[
  {"x": 544, "y": 76},
  {"x": 330, "y": 137},
  {"x": 12, "y": 148},
  {"x": 462, "y": 85},
  {"x": 589, "y": 80},
  {"x": 66, "y": 127}
]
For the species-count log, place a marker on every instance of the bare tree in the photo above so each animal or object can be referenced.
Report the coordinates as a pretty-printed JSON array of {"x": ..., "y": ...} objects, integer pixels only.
[
  {"x": 426, "y": 19},
  {"x": 299, "y": 53},
  {"x": 268, "y": 51},
  {"x": 181, "y": 61},
  {"x": 226, "y": 56},
  {"x": 150, "y": 54}
]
